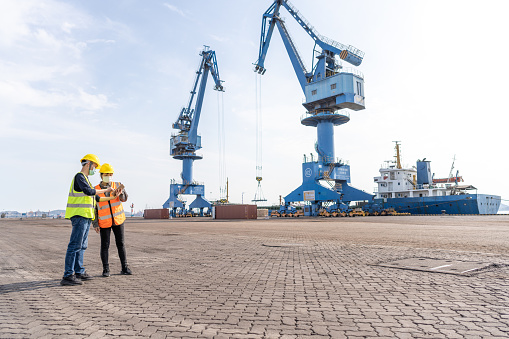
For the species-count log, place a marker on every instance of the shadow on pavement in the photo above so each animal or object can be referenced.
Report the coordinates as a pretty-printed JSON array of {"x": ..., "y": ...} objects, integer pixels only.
[{"x": 28, "y": 286}]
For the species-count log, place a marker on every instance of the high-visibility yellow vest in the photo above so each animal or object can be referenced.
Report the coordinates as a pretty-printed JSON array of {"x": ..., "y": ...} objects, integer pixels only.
[
  {"x": 104, "y": 214},
  {"x": 78, "y": 203}
]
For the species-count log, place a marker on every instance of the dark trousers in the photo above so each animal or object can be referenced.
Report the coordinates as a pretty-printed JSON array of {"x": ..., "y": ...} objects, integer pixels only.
[{"x": 119, "y": 240}]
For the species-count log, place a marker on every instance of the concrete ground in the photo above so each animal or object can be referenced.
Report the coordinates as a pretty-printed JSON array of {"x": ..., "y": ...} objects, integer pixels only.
[{"x": 286, "y": 278}]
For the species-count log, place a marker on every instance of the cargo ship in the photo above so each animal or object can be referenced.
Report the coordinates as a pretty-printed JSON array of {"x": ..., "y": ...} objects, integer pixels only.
[{"x": 415, "y": 191}]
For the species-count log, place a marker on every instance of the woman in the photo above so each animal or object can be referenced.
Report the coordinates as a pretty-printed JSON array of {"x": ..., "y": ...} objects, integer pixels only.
[{"x": 110, "y": 216}]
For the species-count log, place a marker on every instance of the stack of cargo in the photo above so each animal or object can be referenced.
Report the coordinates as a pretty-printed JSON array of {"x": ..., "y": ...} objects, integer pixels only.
[
  {"x": 234, "y": 212},
  {"x": 162, "y": 213}
]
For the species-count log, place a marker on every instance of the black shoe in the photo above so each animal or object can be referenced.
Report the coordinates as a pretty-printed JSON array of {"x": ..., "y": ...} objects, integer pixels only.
[
  {"x": 84, "y": 276},
  {"x": 70, "y": 281},
  {"x": 106, "y": 272},
  {"x": 126, "y": 270}
]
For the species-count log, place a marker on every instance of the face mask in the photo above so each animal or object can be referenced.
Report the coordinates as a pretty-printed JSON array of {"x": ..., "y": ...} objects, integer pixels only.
[
  {"x": 91, "y": 172},
  {"x": 106, "y": 178}
]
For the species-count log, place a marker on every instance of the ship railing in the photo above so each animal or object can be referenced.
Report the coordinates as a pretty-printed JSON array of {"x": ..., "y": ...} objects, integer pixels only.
[
  {"x": 425, "y": 186},
  {"x": 390, "y": 164}
]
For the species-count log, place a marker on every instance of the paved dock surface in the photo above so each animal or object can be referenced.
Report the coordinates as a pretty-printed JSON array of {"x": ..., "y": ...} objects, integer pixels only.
[{"x": 283, "y": 278}]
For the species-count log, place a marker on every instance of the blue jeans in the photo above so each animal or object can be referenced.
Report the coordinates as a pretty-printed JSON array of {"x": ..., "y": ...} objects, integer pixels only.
[{"x": 77, "y": 245}]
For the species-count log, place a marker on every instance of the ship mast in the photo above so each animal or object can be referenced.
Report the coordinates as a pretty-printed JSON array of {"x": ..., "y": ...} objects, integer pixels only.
[
  {"x": 398, "y": 155},
  {"x": 449, "y": 179}
]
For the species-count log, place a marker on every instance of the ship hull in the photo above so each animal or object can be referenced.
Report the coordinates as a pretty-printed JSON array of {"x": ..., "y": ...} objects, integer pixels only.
[{"x": 449, "y": 204}]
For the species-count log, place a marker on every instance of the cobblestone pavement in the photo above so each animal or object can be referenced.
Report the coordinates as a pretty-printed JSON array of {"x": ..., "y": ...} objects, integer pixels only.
[{"x": 286, "y": 278}]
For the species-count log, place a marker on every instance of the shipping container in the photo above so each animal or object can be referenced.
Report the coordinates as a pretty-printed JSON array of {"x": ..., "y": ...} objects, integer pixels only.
[
  {"x": 235, "y": 212},
  {"x": 162, "y": 213}
]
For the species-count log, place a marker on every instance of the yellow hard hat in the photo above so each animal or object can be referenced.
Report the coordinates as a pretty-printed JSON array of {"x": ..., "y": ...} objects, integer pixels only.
[
  {"x": 106, "y": 168},
  {"x": 93, "y": 158}
]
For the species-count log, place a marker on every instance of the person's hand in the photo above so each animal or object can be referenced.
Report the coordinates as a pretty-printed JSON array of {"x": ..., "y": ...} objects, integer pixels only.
[
  {"x": 109, "y": 189},
  {"x": 118, "y": 191},
  {"x": 97, "y": 229}
]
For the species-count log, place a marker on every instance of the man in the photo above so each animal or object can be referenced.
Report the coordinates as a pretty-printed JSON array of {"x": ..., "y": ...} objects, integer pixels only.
[
  {"x": 80, "y": 209},
  {"x": 109, "y": 215}
]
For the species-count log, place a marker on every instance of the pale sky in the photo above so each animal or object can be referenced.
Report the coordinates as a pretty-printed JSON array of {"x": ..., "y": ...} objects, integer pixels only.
[{"x": 109, "y": 77}]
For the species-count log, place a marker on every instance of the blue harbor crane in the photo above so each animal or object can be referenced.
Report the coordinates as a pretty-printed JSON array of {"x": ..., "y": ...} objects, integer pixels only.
[
  {"x": 186, "y": 142},
  {"x": 329, "y": 90}
]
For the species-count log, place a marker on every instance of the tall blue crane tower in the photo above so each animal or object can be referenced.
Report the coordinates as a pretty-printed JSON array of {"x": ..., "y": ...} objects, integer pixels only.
[
  {"x": 186, "y": 142},
  {"x": 329, "y": 89}
]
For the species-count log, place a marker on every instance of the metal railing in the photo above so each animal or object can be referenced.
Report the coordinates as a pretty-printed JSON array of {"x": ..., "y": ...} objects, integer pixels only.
[
  {"x": 295, "y": 12},
  {"x": 180, "y": 182},
  {"x": 354, "y": 71},
  {"x": 298, "y": 16},
  {"x": 321, "y": 112}
]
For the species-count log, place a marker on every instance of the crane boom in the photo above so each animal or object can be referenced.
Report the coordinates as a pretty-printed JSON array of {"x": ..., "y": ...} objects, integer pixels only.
[
  {"x": 272, "y": 13},
  {"x": 298, "y": 65},
  {"x": 189, "y": 118},
  {"x": 348, "y": 53}
]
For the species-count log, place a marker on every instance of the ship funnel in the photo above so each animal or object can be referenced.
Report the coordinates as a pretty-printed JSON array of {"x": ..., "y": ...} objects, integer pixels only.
[{"x": 424, "y": 173}]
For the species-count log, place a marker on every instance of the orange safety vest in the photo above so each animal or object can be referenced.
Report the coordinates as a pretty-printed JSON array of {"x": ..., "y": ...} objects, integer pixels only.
[{"x": 105, "y": 209}]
